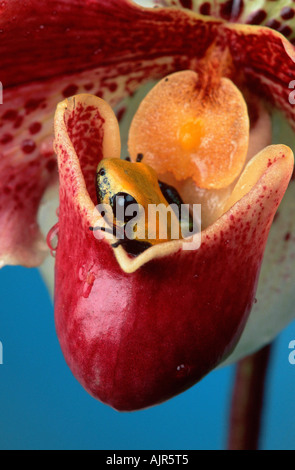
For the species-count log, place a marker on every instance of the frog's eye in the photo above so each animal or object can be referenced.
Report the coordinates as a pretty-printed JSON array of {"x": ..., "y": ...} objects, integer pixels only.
[
  {"x": 119, "y": 203},
  {"x": 101, "y": 172}
]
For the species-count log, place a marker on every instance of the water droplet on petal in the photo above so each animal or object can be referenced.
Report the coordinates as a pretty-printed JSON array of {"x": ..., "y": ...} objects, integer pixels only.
[
  {"x": 86, "y": 276},
  {"x": 182, "y": 371},
  {"x": 88, "y": 284},
  {"x": 82, "y": 273},
  {"x": 52, "y": 239},
  {"x": 28, "y": 146}
]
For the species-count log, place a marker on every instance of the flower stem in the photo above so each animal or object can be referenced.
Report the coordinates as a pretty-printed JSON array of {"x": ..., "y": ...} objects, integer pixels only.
[{"x": 247, "y": 401}]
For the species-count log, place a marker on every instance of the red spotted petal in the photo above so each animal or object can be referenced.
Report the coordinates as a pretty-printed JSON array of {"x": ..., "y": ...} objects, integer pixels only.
[
  {"x": 137, "y": 331},
  {"x": 51, "y": 50},
  {"x": 278, "y": 15},
  {"x": 62, "y": 47}
]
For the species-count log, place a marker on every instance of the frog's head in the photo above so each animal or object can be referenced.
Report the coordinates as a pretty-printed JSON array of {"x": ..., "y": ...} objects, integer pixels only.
[
  {"x": 130, "y": 190},
  {"x": 137, "y": 180}
]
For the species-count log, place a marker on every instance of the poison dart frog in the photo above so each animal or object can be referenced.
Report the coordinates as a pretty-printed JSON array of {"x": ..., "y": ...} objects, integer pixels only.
[{"x": 125, "y": 192}]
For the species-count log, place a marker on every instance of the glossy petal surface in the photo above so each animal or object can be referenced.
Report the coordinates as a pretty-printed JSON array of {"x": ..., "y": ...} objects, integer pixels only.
[
  {"x": 64, "y": 52},
  {"x": 192, "y": 308},
  {"x": 273, "y": 309},
  {"x": 63, "y": 49}
]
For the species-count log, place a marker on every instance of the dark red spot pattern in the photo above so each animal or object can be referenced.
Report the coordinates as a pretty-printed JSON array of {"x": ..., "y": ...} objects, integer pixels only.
[
  {"x": 35, "y": 127},
  {"x": 205, "y": 8},
  {"x": 6, "y": 138},
  {"x": 285, "y": 30},
  {"x": 70, "y": 91},
  {"x": 241, "y": 11},
  {"x": 273, "y": 23},
  {"x": 231, "y": 9},
  {"x": 187, "y": 4},
  {"x": 33, "y": 104},
  {"x": 287, "y": 13},
  {"x": 88, "y": 86},
  {"x": 28, "y": 146},
  {"x": 257, "y": 17},
  {"x": 10, "y": 115},
  {"x": 81, "y": 122}
]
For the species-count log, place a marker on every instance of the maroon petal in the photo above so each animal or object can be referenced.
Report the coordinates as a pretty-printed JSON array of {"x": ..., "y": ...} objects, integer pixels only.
[
  {"x": 137, "y": 331},
  {"x": 278, "y": 15},
  {"x": 51, "y": 50}
]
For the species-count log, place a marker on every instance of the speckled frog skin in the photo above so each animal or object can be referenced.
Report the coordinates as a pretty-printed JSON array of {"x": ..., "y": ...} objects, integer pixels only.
[{"x": 120, "y": 184}]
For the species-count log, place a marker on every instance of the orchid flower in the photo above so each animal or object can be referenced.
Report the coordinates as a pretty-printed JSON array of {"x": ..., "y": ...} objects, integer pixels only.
[{"x": 124, "y": 324}]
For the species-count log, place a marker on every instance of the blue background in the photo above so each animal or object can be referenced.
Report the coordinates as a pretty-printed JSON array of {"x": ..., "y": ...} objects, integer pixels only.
[{"x": 42, "y": 406}]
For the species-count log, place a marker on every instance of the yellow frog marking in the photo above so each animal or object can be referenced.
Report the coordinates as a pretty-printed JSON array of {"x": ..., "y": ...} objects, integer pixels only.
[{"x": 132, "y": 189}]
